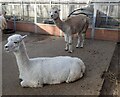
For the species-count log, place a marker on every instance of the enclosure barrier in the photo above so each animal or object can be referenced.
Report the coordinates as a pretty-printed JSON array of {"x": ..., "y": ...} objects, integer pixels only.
[
  {"x": 47, "y": 29},
  {"x": 104, "y": 19}
]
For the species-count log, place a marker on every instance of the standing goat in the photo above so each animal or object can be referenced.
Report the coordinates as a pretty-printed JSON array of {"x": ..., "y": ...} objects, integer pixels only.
[
  {"x": 74, "y": 24},
  {"x": 43, "y": 70}
]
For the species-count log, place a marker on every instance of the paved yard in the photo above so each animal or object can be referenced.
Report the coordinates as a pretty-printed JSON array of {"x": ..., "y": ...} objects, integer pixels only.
[{"x": 96, "y": 56}]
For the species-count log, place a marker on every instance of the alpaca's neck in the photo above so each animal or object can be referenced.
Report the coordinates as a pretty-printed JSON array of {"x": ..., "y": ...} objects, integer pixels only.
[
  {"x": 21, "y": 56},
  {"x": 60, "y": 24}
]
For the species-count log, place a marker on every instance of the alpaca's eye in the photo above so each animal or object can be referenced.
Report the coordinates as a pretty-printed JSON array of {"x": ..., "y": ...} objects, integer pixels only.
[
  {"x": 55, "y": 11},
  {"x": 16, "y": 42}
]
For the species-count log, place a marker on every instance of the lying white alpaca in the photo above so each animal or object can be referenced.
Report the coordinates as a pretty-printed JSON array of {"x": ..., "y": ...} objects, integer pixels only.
[
  {"x": 74, "y": 24},
  {"x": 43, "y": 70}
]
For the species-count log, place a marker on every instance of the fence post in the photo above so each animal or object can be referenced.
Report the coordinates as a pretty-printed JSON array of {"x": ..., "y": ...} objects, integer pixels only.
[
  {"x": 0, "y": 7},
  {"x": 35, "y": 17},
  {"x": 61, "y": 16},
  {"x": 94, "y": 21},
  {"x": 108, "y": 12},
  {"x": 13, "y": 8}
]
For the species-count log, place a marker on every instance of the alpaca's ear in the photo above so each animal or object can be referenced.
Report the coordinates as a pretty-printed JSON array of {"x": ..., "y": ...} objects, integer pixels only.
[{"x": 24, "y": 36}]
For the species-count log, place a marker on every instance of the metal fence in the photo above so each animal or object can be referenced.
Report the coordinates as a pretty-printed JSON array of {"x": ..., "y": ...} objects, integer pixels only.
[
  {"x": 102, "y": 15},
  {"x": 26, "y": 10}
]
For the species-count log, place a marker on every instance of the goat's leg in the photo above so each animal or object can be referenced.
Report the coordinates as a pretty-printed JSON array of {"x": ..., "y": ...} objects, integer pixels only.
[
  {"x": 67, "y": 43},
  {"x": 70, "y": 44},
  {"x": 78, "y": 41}
]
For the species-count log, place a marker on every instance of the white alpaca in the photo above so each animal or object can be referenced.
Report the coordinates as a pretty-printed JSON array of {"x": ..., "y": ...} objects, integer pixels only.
[
  {"x": 43, "y": 70},
  {"x": 74, "y": 24}
]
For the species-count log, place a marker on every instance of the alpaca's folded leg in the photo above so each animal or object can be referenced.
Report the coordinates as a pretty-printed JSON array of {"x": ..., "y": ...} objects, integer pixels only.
[
  {"x": 30, "y": 84},
  {"x": 24, "y": 84}
]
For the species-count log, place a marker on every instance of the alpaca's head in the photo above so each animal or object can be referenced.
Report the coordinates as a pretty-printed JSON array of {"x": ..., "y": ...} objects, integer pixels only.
[
  {"x": 54, "y": 13},
  {"x": 14, "y": 42}
]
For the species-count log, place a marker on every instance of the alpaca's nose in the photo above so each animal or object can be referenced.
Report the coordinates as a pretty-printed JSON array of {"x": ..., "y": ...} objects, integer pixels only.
[
  {"x": 52, "y": 16},
  {"x": 6, "y": 46}
]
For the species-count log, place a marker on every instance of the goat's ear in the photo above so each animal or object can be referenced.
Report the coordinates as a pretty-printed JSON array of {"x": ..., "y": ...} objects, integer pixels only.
[{"x": 24, "y": 36}]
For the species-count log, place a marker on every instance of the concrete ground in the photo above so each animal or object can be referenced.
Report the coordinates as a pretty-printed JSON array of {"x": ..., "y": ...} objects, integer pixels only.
[{"x": 96, "y": 55}]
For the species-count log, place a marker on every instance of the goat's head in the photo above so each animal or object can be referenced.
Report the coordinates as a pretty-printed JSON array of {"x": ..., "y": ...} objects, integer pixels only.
[
  {"x": 54, "y": 13},
  {"x": 14, "y": 42}
]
